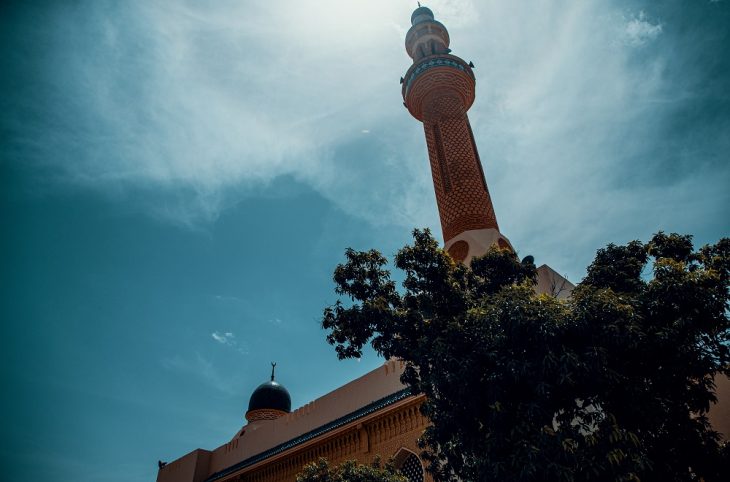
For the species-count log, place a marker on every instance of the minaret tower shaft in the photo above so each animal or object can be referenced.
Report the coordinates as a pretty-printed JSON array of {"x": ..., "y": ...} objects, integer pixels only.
[{"x": 438, "y": 90}]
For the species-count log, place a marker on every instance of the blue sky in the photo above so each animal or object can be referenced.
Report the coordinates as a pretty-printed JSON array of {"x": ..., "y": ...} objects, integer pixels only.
[{"x": 179, "y": 179}]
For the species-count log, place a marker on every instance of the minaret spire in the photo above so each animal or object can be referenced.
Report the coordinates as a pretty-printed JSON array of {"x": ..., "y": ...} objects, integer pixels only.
[{"x": 438, "y": 90}]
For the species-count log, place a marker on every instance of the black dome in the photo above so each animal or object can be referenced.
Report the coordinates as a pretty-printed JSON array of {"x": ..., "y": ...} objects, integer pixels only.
[{"x": 270, "y": 395}]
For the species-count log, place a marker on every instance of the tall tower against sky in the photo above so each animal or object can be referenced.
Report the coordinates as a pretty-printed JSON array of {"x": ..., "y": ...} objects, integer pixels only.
[{"x": 438, "y": 90}]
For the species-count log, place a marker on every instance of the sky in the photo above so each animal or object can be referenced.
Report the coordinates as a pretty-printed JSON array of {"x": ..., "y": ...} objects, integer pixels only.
[{"x": 178, "y": 180}]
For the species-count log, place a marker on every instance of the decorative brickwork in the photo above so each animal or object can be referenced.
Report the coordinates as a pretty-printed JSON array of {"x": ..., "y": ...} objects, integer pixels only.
[
  {"x": 264, "y": 414},
  {"x": 386, "y": 434},
  {"x": 458, "y": 251},
  {"x": 441, "y": 159},
  {"x": 440, "y": 98},
  {"x": 443, "y": 79},
  {"x": 413, "y": 469},
  {"x": 461, "y": 190}
]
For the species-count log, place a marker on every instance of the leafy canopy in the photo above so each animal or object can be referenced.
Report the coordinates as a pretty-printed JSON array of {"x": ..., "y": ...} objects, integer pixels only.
[
  {"x": 349, "y": 471},
  {"x": 612, "y": 384}
]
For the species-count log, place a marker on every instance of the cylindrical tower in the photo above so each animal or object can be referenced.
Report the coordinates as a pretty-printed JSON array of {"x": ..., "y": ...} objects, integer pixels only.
[{"x": 438, "y": 90}]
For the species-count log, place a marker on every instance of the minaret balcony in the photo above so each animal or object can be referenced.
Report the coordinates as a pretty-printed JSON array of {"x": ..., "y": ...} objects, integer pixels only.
[{"x": 440, "y": 72}]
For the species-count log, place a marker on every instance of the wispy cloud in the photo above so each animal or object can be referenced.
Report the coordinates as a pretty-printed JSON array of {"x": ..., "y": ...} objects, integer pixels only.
[
  {"x": 187, "y": 108},
  {"x": 229, "y": 298},
  {"x": 229, "y": 339},
  {"x": 640, "y": 31},
  {"x": 201, "y": 368}
]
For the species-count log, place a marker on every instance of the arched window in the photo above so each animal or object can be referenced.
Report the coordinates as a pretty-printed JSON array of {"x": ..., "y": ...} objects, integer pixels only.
[{"x": 412, "y": 468}]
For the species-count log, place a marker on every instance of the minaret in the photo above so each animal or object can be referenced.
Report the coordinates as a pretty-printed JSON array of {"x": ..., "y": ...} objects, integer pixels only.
[{"x": 438, "y": 90}]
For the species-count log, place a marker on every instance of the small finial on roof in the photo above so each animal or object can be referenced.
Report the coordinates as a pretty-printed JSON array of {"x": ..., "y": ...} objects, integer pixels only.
[
  {"x": 419, "y": 3},
  {"x": 273, "y": 367}
]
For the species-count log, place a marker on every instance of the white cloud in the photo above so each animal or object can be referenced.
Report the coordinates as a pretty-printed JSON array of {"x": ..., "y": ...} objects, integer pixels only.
[
  {"x": 640, "y": 31},
  {"x": 456, "y": 13},
  {"x": 232, "y": 299},
  {"x": 225, "y": 97},
  {"x": 224, "y": 338},
  {"x": 229, "y": 339}
]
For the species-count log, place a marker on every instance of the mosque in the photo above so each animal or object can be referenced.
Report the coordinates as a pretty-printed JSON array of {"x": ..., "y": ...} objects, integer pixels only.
[{"x": 376, "y": 414}]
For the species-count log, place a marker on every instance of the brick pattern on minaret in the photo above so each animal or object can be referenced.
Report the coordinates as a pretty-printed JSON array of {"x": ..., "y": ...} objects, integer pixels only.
[
  {"x": 461, "y": 190},
  {"x": 438, "y": 90}
]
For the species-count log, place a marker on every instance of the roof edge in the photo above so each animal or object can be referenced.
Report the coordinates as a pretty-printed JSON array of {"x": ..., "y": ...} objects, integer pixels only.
[{"x": 328, "y": 427}]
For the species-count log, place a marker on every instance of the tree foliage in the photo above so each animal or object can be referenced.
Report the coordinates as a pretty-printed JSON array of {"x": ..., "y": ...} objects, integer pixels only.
[
  {"x": 349, "y": 471},
  {"x": 612, "y": 384}
]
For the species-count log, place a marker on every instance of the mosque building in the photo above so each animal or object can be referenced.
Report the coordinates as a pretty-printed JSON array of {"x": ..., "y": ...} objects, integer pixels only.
[{"x": 376, "y": 414}]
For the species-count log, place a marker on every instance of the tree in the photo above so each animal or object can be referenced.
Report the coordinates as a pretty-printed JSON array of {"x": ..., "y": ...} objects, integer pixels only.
[
  {"x": 349, "y": 471},
  {"x": 612, "y": 384}
]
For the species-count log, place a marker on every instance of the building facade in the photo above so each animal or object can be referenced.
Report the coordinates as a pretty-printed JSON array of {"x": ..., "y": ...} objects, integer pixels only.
[
  {"x": 370, "y": 416},
  {"x": 376, "y": 415}
]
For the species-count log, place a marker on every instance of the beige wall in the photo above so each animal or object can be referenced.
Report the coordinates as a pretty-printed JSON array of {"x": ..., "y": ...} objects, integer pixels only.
[
  {"x": 261, "y": 435},
  {"x": 192, "y": 467},
  {"x": 385, "y": 433},
  {"x": 720, "y": 414},
  {"x": 552, "y": 283},
  {"x": 382, "y": 433}
]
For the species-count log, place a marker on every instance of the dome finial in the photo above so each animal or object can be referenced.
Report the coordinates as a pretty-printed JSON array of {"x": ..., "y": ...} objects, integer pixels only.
[{"x": 273, "y": 367}]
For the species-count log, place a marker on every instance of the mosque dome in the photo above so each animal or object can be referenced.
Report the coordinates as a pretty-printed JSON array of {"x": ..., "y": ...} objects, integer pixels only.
[
  {"x": 421, "y": 14},
  {"x": 270, "y": 400},
  {"x": 270, "y": 395}
]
